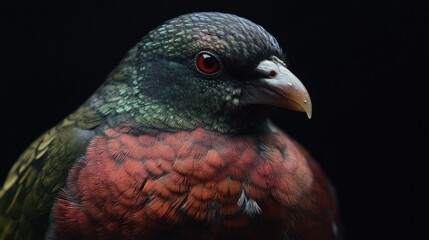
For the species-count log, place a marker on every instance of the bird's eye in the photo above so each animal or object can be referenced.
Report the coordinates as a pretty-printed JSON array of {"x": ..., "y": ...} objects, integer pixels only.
[{"x": 207, "y": 63}]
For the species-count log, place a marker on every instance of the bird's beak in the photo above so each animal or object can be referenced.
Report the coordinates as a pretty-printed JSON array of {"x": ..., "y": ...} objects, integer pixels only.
[{"x": 279, "y": 87}]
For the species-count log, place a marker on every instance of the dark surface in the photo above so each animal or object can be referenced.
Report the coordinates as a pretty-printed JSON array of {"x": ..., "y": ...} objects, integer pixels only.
[{"x": 358, "y": 59}]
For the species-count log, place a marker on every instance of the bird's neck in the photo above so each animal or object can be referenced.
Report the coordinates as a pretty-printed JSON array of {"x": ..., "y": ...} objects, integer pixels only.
[{"x": 121, "y": 103}]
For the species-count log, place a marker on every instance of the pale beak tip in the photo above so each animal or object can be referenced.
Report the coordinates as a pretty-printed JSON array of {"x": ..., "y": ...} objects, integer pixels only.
[
  {"x": 308, "y": 110},
  {"x": 309, "y": 114}
]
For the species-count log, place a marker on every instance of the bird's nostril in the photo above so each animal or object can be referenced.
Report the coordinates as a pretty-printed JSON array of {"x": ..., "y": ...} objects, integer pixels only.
[{"x": 272, "y": 74}]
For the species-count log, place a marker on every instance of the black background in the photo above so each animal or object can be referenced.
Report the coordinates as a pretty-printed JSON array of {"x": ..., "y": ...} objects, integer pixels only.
[{"x": 358, "y": 59}]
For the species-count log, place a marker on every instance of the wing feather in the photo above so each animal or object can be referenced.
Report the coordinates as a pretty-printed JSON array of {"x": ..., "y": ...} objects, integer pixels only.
[{"x": 33, "y": 182}]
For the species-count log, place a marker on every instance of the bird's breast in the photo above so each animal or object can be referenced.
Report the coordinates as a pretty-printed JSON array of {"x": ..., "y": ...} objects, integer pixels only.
[{"x": 162, "y": 183}]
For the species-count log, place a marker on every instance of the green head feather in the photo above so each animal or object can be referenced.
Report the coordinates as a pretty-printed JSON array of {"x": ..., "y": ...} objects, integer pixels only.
[{"x": 158, "y": 84}]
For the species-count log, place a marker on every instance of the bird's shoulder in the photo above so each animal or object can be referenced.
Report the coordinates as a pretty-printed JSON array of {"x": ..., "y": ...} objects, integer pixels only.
[{"x": 40, "y": 172}]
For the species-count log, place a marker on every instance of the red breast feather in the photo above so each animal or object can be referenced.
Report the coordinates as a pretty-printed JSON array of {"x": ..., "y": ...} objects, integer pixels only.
[{"x": 153, "y": 185}]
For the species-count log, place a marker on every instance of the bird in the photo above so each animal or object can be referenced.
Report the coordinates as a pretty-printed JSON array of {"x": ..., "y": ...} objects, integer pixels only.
[{"x": 177, "y": 143}]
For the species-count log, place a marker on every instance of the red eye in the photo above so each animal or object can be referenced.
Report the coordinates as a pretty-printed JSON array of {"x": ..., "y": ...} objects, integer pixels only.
[{"x": 207, "y": 63}]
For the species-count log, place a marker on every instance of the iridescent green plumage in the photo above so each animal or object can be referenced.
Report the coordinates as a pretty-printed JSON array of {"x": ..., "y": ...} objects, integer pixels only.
[{"x": 34, "y": 181}]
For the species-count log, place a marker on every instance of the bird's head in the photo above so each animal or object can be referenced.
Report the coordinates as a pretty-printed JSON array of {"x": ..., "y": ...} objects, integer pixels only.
[{"x": 212, "y": 70}]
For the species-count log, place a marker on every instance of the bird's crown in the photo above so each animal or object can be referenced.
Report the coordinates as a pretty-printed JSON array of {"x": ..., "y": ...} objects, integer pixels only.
[{"x": 235, "y": 38}]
